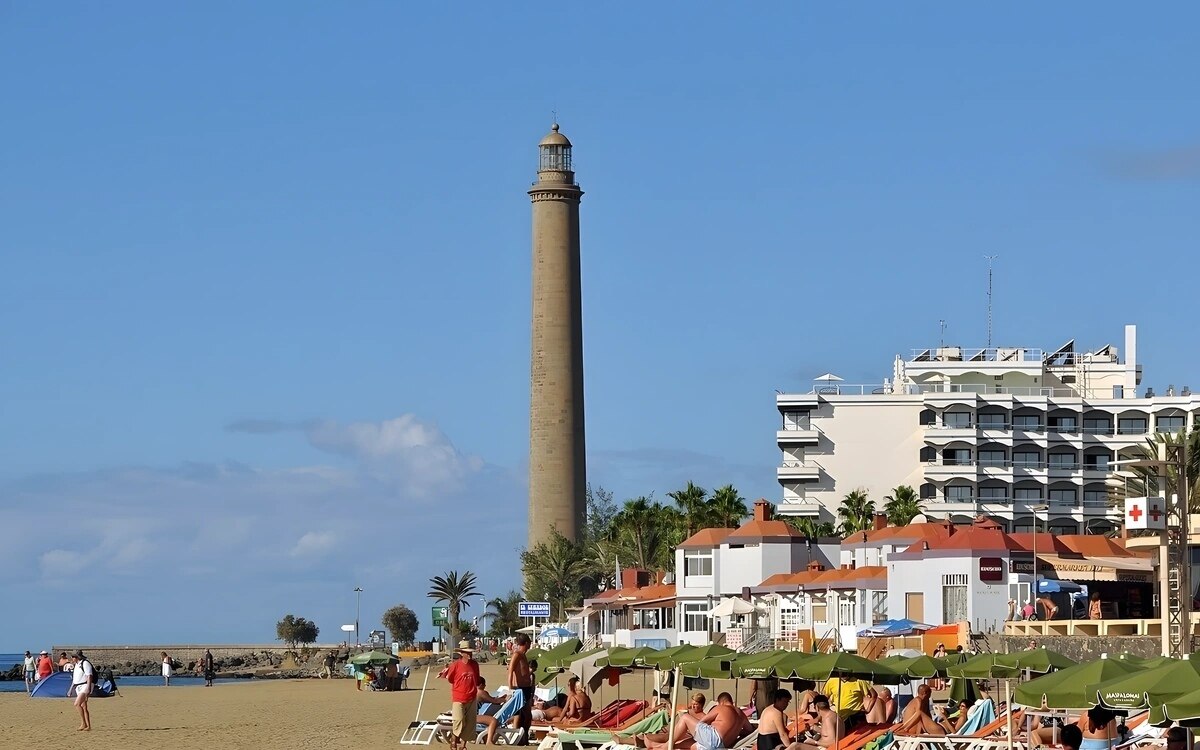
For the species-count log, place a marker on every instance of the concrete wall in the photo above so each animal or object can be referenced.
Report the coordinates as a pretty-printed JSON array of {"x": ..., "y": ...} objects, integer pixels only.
[
  {"x": 1089, "y": 647},
  {"x": 107, "y": 655}
]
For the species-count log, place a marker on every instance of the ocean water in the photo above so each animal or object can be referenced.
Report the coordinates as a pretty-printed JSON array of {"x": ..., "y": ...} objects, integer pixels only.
[{"x": 18, "y": 686}]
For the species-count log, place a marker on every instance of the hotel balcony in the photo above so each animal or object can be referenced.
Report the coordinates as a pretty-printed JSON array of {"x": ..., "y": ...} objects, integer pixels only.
[
  {"x": 942, "y": 469},
  {"x": 799, "y": 506},
  {"x": 798, "y": 471},
  {"x": 797, "y": 436}
]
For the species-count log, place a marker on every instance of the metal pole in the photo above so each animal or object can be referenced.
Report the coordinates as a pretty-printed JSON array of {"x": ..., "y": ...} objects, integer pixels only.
[{"x": 357, "y": 615}]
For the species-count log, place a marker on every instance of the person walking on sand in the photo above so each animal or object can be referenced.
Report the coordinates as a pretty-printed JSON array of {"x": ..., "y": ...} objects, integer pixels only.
[
  {"x": 166, "y": 669},
  {"x": 210, "y": 669},
  {"x": 45, "y": 666},
  {"x": 327, "y": 666},
  {"x": 463, "y": 676},
  {"x": 30, "y": 672},
  {"x": 83, "y": 676},
  {"x": 520, "y": 677}
]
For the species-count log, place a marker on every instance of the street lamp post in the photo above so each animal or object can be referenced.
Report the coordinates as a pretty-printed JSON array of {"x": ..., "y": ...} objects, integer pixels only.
[
  {"x": 357, "y": 614},
  {"x": 1036, "y": 524}
]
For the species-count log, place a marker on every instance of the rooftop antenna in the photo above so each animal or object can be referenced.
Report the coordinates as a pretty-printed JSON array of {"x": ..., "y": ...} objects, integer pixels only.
[
  {"x": 942, "y": 340},
  {"x": 989, "y": 259}
]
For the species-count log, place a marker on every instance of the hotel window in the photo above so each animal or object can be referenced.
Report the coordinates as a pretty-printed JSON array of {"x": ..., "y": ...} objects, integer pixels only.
[
  {"x": 991, "y": 421},
  {"x": 1062, "y": 461},
  {"x": 1098, "y": 426},
  {"x": 695, "y": 618},
  {"x": 697, "y": 564},
  {"x": 1131, "y": 426},
  {"x": 1027, "y": 459},
  {"x": 956, "y": 457},
  {"x": 1168, "y": 424},
  {"x": 959, "y": 493},
  {"x": 1063, "y": 497},
  {"x": 795, "y": 420},
  {"x": 991, "y": 458},
  {"x": 993, "y": 493},
  {"x": 1028, "y": 493},
  {"x": 1027, "y": 422},
  {"x": 1063, "y": 424},
  {"x": 1095, "y": 497},
  {"x": 1096, "y": 462},
  {"x": 957, "y": 419}
]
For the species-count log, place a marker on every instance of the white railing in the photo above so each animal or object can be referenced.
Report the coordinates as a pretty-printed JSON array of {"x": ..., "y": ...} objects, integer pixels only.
[
  {"x": 1037, "y": 465},
  {"x": 976, "y": 354}
]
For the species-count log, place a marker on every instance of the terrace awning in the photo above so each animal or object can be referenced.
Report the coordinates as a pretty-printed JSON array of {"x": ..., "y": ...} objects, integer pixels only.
[{"x": 1099, "y": 568}]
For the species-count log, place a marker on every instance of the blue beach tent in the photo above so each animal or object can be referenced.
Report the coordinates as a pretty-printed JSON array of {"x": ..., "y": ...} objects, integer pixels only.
[{"x": 57, "y": 684}]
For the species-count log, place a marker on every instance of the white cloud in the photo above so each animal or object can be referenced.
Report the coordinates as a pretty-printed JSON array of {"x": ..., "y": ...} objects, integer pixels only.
[
  {"x": 313, "y": 544},
  {"x": 61, "y": 563}
]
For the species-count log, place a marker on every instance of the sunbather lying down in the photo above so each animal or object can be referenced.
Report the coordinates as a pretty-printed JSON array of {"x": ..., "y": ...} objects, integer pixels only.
[
  {"x": 551, "y": 710},
  {"x": 722, "y": 726}
]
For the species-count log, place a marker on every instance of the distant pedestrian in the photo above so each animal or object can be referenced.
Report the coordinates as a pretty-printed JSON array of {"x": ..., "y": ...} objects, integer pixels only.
[
  {"x": 327, "y": 667},
  {"x": 1094, "y": 606},
  {"x": 64, "y": 663},
  {"x": 30, "y": 672},
  {"x": 210, "y": 668},
  {"x": 45, "y": 666},
  {"x": 84, "y": 675},
  {"x": 166, "y": 669}
]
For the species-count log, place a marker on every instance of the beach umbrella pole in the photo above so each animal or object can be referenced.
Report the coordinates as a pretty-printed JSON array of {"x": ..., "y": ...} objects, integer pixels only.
[
  {"x": 421, "y": 700},
  {"x": 671, "y": 711},
  {"x": 1008, "y": 719}
]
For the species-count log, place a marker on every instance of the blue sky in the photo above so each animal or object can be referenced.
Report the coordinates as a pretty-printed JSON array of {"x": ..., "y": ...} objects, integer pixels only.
[{"x": 266, "y": 266}]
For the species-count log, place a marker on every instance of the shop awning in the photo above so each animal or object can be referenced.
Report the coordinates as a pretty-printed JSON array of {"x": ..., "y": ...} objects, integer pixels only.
[{"x": 1098, "y": 568}]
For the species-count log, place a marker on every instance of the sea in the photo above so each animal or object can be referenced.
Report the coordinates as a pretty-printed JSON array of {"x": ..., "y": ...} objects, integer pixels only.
[{"x": 18, "y": 686}]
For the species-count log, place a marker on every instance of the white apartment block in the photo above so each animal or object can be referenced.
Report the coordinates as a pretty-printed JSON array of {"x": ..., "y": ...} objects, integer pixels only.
[{"x": 1009, "y": 433}]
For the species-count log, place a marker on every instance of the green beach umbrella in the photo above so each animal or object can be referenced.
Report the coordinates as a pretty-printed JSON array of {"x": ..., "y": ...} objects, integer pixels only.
[
  {"x": 851, "y": 666},
  {"x": 1073, "y": 687},
  {"x": 1185, "y": 709},
  {"x": 373, "y": 659},
  {"x": 922, "y": 667},
  {"x": 982, "y": 667},
  {"x": 1039, "y": 660},
  {"x": 627, "y": 657},
  {"x": 688, "y": 655},
  {"x": 550, "y": 666},
  {"x": 1151, "y": 688}
]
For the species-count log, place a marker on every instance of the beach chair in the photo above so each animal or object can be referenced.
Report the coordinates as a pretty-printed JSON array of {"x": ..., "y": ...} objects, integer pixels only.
[
  {"x": 613, "y": 716},
  {"x": 590, "y": 739},
  {"x": 957, "y": 741}
]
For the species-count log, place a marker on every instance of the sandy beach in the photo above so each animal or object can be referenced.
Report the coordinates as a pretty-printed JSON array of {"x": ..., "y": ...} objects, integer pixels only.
[{"x": 264, "y": 714}]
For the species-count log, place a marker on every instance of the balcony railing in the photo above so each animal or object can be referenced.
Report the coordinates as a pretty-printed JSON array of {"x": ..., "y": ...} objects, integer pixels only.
[
  {"x": 979, "y": 354},
  {"x": 1037, "y": 465}
]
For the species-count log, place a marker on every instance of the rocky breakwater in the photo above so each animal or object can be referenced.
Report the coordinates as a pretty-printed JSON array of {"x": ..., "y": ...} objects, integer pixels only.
[{"x": 230, "y": 662}]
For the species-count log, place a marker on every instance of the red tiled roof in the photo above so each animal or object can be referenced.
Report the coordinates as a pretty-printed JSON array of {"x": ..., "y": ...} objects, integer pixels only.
[
  {"x": 705, "y": 539},
  {"x": 913, "y": 532},
  {"x": 791, "y": 579},
  {"x": 632, "y": 597},
  {"x": 969, "y": 538},
  {"x": 759, "y": 531},
  {"x": 846, "y": 578}
]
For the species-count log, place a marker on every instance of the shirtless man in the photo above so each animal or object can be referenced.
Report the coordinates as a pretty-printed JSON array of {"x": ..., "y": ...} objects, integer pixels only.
[
  {"x": 695, "y": 711},
  {"x": 483, "y": 696},
  {"x": 918, "y": 718},
  {"x": 520, "y": 677},
  {"x": 729, "y": 720},
  {"x": 830, "y": 726},
  {"x": 579, "y": 703},
  {"x": 882, "y": 708},
  {"x": 772, "y": 724}
]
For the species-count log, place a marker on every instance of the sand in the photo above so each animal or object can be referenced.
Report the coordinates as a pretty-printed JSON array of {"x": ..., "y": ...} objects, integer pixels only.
[{"x": 260, "y": 714}]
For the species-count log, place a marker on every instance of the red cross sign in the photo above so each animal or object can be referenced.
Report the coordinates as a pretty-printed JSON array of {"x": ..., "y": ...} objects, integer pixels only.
[
  {"x": 1145, "y": 513},
  {"x": 1135, "y": 513}
]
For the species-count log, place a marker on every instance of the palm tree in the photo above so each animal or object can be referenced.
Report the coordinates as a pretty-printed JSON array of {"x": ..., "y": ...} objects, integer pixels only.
[
  {"x": 1145, "y": 480},
  {"x": 504, "y": 612},
  {"x": 856, "y": 511},
  {"x": 557, "y": 568},
  {"x": 456, "y": 591},
  {"x": 902, "y": 506},
  {"x": 811, "y": 528},
  {"x": 726, "y": 507},
  {"x": 634, "y": 532},
  {"x": 690, "y": 501}
]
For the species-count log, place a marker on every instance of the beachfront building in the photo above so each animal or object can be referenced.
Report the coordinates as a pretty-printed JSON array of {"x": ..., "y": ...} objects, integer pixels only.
[
  {"x": 715, "y": 564},
  {"x": 1024, "y": 436}
]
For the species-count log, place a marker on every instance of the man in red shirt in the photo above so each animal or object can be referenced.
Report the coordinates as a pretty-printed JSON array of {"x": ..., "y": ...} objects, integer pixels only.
[{"x": 463, "y": 675}]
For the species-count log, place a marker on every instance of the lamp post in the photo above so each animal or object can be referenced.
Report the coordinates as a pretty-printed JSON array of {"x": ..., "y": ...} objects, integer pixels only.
[
  {"x": 357, "y": 614},
  {"x": 1036, "y": 524}
]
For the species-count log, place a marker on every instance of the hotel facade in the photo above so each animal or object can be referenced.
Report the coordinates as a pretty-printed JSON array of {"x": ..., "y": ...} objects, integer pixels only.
[{"x": 1023, "y": 436}]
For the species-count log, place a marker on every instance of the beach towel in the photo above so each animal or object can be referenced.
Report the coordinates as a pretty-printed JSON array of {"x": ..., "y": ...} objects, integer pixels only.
[
  {"x": 655, "y": 722},
  {"x": 978, "y": 717},
  {"x": 514, "y": 704}
]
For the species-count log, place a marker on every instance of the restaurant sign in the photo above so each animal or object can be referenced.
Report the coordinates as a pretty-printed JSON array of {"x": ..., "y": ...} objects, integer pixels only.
[{"x": 991, "y": 569}]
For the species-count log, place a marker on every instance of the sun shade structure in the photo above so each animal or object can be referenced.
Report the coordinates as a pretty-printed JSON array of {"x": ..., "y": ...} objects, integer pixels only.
[
  {"x": 1151, "y": 688},
  {"x": 732, "y": 606},
  {"x": 373, "y": 659},
  {"x": 1073, "y": 687}
]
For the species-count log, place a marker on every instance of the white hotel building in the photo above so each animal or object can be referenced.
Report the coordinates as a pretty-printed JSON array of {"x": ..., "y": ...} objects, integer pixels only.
[{"x": 995, "y": 431}]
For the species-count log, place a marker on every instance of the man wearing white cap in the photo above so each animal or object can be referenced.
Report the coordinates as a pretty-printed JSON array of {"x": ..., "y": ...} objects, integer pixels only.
[{"x": 463, "y": 676}]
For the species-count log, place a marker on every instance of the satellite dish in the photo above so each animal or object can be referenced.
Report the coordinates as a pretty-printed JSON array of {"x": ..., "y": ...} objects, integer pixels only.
[
  {"x": 919, "y": 518},
  {"x": 347, "y": 628}
]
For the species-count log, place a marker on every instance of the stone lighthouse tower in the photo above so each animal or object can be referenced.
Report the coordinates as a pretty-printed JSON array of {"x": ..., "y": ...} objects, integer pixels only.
[{"x": 556, "y": 447}]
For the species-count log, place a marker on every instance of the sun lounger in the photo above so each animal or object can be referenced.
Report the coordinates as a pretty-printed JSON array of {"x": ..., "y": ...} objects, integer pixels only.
[{"x": 956, "y": 741}]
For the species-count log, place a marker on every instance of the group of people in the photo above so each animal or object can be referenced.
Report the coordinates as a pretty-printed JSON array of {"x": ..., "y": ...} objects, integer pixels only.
[{"x": 1045, "y": 608}]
